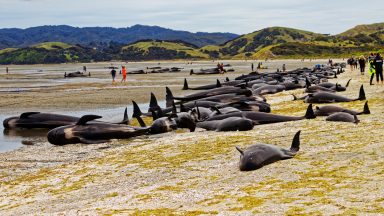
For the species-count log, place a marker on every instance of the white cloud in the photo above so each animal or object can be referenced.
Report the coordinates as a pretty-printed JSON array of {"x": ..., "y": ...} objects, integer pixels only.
[{"x": 241, "y": 16}]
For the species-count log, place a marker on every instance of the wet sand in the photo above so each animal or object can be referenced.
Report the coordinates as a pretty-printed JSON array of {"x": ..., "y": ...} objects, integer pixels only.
[{"x": 337, "y": 171}]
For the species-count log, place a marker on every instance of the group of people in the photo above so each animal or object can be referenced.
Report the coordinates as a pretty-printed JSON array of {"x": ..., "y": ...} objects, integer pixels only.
[
  {"x": 354, "y": 62},
  {"x": 375, "y": 65},
  {"x": 220, "y": 66},
  {"x": 123, "y": 72}
]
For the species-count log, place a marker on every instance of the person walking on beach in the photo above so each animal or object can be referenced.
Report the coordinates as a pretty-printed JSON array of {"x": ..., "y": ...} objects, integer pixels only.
[
  {"x": 362, "y": 64},
  {"x": 351, "y": 61},
  {"x": 124, "y": 71},
  {"x": 371, "y": 71},
  {"x": 113, "y": 73},
  {"x": 284, "y": 68},
  {"x": 221, "y": 67},
  {"x": 252, "y": 67},
  {"x": 84, "y": 69},
  {"x": 7, "y": 70},
  {"x": 378, "y": 65}
]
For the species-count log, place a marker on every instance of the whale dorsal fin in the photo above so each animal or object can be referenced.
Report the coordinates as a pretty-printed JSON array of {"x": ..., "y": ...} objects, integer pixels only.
[
  {"x": 84, "y": 119},
  {"x": 218, "y": 84},
  {"x": 125, "y": 118},
  {"x": 295, "y": 147},
  {"x": 366, "y": 108},
  {"x": 27, "y": 114},
  {"x": 136, "y": 110}
]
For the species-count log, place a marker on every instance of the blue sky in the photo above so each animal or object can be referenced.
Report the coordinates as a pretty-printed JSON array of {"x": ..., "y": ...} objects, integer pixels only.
[{"x": 236, "y": 16}]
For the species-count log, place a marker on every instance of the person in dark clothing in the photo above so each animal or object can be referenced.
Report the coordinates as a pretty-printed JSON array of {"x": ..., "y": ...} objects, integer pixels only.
[
  {"x": 252, "y": 67},
  {"x": 113, "y": 73},
  {"x": 362, "y": 64},
  {"x": 378, "y": 65},
  {"x": 84, "y": 68},
  {"x": 350, "y": 61}
]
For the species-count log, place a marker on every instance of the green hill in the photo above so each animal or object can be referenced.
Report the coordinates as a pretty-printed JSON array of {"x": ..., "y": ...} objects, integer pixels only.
[
  {"x": 160, "y": 50},
  {"x": 274, "y": 42},
  {"x": 280, "y": 42},
  {"x": 256, "y": 41},
  {"x": 53, "y": 45},
  {"x": 52, "y": 52},
  {"x": 363, "y": 29}
]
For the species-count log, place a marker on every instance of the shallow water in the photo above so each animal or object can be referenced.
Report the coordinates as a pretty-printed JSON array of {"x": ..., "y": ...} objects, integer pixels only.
[
  {"x": 26, "y": 78},
  {"x": 17, "y": 138}
]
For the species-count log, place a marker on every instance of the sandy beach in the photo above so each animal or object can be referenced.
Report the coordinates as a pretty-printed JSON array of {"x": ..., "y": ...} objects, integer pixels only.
[{"x": 338, "y": 171}]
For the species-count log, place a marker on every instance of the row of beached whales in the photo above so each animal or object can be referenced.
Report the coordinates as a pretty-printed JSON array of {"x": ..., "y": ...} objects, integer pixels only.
[
  {"x": 215, "y": 70},
  {"x": 232, "y": 105}
]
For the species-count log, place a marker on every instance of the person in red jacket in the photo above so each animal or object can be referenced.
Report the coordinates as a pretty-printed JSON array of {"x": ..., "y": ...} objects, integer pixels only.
[{"x": 124, "y": 72}]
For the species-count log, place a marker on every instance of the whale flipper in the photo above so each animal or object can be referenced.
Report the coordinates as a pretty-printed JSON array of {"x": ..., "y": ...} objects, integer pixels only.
[
  {"x": 86, "y": 118},
  {"x": 27, "y": 114},
  {"x": 87, "y": 141}
]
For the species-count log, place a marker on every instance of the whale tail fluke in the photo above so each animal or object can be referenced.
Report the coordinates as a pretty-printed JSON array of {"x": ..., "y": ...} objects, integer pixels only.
[
  {"x": 185, "y": 87},
  {"x": 366, "y": 108},
  {"x": 310, "y": 114},
  {"x": 295, "y": 147}
]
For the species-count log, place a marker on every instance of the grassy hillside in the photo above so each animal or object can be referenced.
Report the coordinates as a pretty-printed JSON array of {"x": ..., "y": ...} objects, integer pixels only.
[
  {"x": 364, "y": 29},
  {"x": 253, "y": 42},
  {"x": 279, "y": 42},
  {"x": 155, "y": 49},
  {"x": 53, "y": 45},
  {"x": 52, "y": 52},
  {"x": 7, "y": 50},
  {"x": 274, "y": 42}
]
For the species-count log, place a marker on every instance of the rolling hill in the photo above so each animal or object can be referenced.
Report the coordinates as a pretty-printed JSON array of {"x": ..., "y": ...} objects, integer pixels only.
[
  {"x": 161, "y": 50},
  {"x": 274, "y": 42},
  {"x": 101, "y": 36},
  {"x": 51, "y": 52}
]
